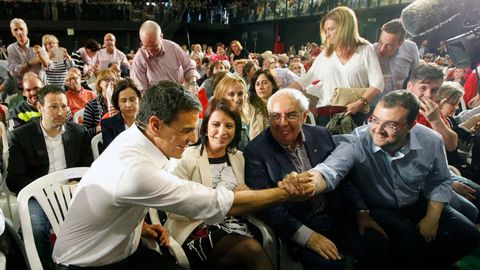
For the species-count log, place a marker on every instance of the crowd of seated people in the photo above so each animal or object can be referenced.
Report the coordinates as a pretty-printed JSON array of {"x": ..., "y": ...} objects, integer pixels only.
[{"x": 253, "y": 134}]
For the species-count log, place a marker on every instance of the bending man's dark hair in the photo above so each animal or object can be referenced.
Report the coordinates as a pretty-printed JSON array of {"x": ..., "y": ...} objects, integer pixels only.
[
  {"x": 49, "y": 89},
  {"x": 166, "y": 100},
  {"x": 405, "y": 99}
]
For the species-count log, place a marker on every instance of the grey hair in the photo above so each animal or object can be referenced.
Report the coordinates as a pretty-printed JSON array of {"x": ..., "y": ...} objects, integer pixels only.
[
  {"x": 294, "y": 94},
  {"x": 19, "y": 21},
  {"x": 150, "y": 27}
]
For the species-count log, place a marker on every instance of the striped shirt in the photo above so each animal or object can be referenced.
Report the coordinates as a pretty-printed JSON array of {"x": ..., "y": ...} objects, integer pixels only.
[
  {"x": 94, "y": 110},
  {"x": 57, "y": 72}
]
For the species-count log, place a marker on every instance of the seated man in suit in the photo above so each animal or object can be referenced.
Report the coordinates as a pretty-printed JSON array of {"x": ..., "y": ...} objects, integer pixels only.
[
  {"x": 290, "y": 146},
  {"x": 44, "y": 145},
  {"x": 401, "y": 171}
]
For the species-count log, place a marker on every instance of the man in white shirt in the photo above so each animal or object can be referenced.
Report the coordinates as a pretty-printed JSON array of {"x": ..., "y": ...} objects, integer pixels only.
[
  {"x": 103, "y": 225},
  {"x": 44, "y": 145}
]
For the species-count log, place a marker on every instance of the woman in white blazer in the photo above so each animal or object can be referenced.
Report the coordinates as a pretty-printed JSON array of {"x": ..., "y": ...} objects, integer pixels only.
[{"x": 214, "y": 161}]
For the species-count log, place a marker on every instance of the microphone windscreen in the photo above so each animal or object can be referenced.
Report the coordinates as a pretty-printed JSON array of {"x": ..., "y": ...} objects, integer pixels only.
[{"x": 424, "y": 16}]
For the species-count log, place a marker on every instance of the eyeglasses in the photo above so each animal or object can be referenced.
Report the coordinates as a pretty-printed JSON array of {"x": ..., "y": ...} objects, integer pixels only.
[
  {"x": 291, "y": 116},
  {"x": 389, "y": 126},
  {"x": 109, "y": 79}
]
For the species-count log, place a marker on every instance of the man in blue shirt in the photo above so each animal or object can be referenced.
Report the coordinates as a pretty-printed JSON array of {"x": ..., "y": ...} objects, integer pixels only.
[{"x": 401, "y": 172}]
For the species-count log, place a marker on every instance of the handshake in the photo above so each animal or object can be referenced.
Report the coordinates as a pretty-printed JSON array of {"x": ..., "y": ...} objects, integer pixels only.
[{"x": 299, "y": 186}]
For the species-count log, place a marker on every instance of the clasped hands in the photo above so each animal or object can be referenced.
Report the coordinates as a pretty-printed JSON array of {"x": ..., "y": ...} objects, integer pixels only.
[
  {"x": 300, "y": 186},
  {"x": 158, "y": 232}
]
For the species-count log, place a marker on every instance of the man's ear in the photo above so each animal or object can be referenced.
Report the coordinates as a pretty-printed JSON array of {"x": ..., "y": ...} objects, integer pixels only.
[
  {"x": 39, "y": 106},
  {"x": 409, "y": 85},
  {"x": 154, "y": 123}
]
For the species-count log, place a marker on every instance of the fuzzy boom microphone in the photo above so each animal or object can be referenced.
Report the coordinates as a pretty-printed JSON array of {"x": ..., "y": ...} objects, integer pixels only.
[{"x": 424, "y": 16}]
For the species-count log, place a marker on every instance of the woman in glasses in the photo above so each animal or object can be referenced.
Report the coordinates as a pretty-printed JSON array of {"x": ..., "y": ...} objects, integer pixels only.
[
  {"x": 98, "y": 107},
  {"x": 214, "y": 161}
]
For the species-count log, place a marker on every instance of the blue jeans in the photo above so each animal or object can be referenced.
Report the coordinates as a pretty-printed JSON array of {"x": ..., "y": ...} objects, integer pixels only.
[{"x": 41, "y": 232}]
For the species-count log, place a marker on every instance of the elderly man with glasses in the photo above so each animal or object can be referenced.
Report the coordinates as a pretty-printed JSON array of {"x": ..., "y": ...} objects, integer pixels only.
[
  {"x": 289, "y": 145},
  {"x": 401, "y": 171}
]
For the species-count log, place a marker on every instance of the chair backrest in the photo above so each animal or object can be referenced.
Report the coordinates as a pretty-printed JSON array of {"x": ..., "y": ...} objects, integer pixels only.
[
  {"x": 54, "y": 195},
  {"x": 4, "y": 131},
  {"x": 78, "y": 116},
  {"x": 95, "y": 144}
]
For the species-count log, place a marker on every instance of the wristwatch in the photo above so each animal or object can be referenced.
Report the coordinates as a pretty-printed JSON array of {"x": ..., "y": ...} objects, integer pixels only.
[{"x": 364, "y": 100}]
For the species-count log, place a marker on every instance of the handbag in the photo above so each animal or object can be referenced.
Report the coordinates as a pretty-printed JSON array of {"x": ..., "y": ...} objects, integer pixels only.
[
  {"x": 345, "y": 96},
  {"x": 341, "y": 123}
]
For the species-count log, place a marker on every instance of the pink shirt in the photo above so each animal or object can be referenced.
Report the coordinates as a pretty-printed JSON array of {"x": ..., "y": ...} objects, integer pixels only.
[
  {"x": 170, "y": 64},
  {"x": 217, "y": 57},
  {"x": 103, "y": 58}
]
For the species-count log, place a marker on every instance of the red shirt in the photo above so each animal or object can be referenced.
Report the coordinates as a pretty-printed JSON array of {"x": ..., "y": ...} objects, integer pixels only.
[{"x": 78, "y": 101}]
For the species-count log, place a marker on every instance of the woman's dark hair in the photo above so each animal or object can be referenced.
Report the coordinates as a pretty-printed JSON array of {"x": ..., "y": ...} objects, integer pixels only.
[
  {"x": 93, "y": 45},
  {"x": 224, "y": 106},
  {"x": 253, "y": 98},
  {"x": 123, "y": 85}
]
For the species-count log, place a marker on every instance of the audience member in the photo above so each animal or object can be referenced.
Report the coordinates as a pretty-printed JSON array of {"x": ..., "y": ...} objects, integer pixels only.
[
  {"x": 290, "y": 146},
  {"x": 125, "y": 100},
  {"x": 213, "y": 69},
  {"x": 161, "y": 59},
  {"x": 42, "y": 146},
  {"x": 401, "y": 171},
  {"x": 21, "y": 57},
  {"x": 214, "y": 161},
  {"x": 397, "y": 56},
  {"x": 237, "y": 51},
  {"x": 83, "y": 57},
  {"x": 133, "y": 176},
  {"x": 347, "y": 61},
  {"x": 262, "y": 86},
  {"x": 77, "y": 97},
  {"x": 109, "y": 54},
  {"x": 56, "y": 71},
  {"x": 98, "y": 107},
  {"x": 220, "y": 53},
  {"x": 233, "y": 89},
  {"x": 297, "y": 68},
  {"x": 26, "y": 110},
  {"x": 248, "y": 71}
]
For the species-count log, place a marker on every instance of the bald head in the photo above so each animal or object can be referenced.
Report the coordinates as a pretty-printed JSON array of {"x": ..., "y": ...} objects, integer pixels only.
[
  {"x": 151, "y": 37},
  {"x": 31, "y": 84},
  {"x": 109, "y": 41}
]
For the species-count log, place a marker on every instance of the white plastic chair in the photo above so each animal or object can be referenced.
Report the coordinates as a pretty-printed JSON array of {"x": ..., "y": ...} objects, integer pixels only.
[
  {"x": 8, "y": 202},
  {"x": 311, "y": 118},
  {"x": 54, "y": 195},
  {"x": 175, "y": 248},
  {"x": 78, "y": 116},
  {"x": 95, "y": 144}
]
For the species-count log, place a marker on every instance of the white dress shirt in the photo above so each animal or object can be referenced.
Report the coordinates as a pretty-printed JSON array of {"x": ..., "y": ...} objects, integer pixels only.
[
  {"x": 56, "y": 151},
  {"x": 103, "y": 224}
]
